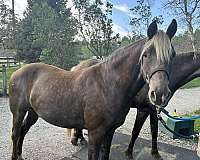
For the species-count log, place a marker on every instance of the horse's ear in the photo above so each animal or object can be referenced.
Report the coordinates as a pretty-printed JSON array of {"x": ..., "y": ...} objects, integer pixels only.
[
  {"x": 171, "y": 30},
  {"x": 152, "y": 29}
]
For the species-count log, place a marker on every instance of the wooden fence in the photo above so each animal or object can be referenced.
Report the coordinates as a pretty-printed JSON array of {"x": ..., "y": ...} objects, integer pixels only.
[
  {"x": 8, "y": 61},
  {"x": 5, "y": 63}
]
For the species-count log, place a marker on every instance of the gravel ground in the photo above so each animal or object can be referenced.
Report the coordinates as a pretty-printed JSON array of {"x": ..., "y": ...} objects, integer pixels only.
[{"x": 47, "y": 142}]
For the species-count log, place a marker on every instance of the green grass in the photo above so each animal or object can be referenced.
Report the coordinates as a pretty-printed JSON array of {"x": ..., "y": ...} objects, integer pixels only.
[
  {"x": 9, "y": 72},
  {"x": 196, "y": 122},
  {"x": 197, "y": 112},
  {"x": 197, "y": 125},
  {"x": 194, "y": 83}
]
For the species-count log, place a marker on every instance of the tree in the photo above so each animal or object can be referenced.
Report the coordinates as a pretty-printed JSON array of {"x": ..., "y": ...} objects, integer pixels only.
[
  {"x": 130, "y": 39},
  {"x": 56, "y": 34},
  {"x": 142, "y": 17},
  {"x": 5, "y": 24},
  {"x": 197, "y": 38},
  {"x": 188, "y": 12},
  {"x": 59, "y": 6},
  {"x": 48, "y": 35},
  {"x": 95, "y": 27},
  {"x": 24, "y": 40}
]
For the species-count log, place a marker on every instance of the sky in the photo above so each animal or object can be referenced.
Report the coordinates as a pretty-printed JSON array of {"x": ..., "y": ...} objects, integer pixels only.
[{"x": 121, "y": 13}]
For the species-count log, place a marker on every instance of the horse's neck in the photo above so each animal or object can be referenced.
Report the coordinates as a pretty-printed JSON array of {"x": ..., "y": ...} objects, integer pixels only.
[
  {"x": 184, "y": 70},
  {"x": 122, "y": 73}
]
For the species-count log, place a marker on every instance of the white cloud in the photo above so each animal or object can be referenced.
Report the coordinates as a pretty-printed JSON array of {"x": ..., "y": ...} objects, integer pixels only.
[
  {"x": 70, "y": 3},
  {"x": 72, "y": 7},
  {"x": 118, "y": 29},
  {"x": 122, "y": 8},
  {"x": 20, "y": 6}
]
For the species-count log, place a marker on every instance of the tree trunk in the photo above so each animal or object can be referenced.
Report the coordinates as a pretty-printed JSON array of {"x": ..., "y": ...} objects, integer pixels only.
[
  {"x": 190, "y": 31},
  {"x": 13, "y": 14},
  {"x": 191, "y": 36}
]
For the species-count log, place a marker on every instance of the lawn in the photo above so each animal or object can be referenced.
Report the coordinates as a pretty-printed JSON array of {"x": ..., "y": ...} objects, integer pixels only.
[
  {"x": 194, "y": 83},
  {"x": 9, "y": 72},
  {"x": 197, "y": 125},
  {"x": 197, "y": 121}
]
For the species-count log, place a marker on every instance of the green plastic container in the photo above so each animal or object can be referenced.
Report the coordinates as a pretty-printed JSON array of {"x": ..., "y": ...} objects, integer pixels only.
[{"x": 184, "y": 127}]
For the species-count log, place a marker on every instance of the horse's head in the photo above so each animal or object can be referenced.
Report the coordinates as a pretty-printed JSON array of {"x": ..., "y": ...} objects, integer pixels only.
[{"x": 155, "y": 62}]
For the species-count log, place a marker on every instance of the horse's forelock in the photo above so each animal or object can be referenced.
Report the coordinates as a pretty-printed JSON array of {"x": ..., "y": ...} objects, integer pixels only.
[{"x": 162, "y": 45}]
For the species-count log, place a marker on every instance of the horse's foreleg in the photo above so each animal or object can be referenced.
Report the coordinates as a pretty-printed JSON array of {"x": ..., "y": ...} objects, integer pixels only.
[
  {"x": 28, "y": 122},
  {"x": 18, "y": 118},
  {"x": 154, "y": 133},
  {"x": 80, "y": 135},
  {"x": 106, "y": 144},
  {"x": 95, "y": 138},
  {"x": 140, "y": 119}
]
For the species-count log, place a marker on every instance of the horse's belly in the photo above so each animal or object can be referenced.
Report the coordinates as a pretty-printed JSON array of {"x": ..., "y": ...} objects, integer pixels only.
[
  {"x": 56, "y": 107},
  {"x": 63, "y": 120},
  {"x": 60, "y": 115}
]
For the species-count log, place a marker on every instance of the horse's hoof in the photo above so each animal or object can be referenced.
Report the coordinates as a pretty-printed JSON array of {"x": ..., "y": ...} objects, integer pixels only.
[
  {"x": 156, "y": 155},
  {"x": 129, "y": 155},
  {"x": 74, "y": 141},
  {"x": 83, "y": 142},
  {"x": 20, "y": 158},
  {"x": 13, "y": 158},
  {"x": 17, "y": 158}
]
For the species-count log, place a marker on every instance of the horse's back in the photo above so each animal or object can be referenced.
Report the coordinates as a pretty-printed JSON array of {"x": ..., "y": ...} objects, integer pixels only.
[{"x": 23, "y": 80}]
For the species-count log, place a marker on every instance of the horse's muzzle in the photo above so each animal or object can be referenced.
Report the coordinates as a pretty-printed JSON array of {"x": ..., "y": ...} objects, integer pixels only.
[{"x": 158, "y": 98}]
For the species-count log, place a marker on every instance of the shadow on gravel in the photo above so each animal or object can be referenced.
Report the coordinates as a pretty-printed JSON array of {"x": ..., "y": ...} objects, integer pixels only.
[
  {"x": 142, "y": 150},
  {"x": 66, "y": 158}
]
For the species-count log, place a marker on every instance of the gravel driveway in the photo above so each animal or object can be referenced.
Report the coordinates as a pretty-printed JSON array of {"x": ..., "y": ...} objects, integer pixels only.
[{"x": 47, "y": 142}]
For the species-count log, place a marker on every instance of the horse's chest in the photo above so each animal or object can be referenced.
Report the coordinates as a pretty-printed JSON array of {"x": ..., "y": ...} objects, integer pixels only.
[{"x": 119, "y": 117}]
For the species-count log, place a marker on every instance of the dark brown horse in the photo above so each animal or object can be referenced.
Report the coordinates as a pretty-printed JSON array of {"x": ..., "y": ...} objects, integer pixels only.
[
  {"x": 184, "y": 69},
  {"x": 188, "y": 69},
  {"x": 96, "y": 98}
]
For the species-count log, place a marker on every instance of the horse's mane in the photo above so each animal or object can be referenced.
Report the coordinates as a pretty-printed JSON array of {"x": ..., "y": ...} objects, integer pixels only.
[
  {"x": 85, "y": 63},
  {"x": 120, "y": 52},
  {"x": 160, "y": 41}
]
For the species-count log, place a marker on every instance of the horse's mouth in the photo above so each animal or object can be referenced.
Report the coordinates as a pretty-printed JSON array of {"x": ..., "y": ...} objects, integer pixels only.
[{"x": 159, "y": 108}]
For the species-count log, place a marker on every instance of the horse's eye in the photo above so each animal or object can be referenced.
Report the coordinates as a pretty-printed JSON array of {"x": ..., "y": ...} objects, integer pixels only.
[{"x": 145, "y": 55}]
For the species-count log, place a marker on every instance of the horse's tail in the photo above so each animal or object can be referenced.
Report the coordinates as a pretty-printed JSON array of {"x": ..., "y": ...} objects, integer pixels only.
[{"x": 69, "y": 131}]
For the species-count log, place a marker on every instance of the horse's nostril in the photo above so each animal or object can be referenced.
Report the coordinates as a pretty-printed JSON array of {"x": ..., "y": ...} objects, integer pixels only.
[
  {"x": 169, "y": 95},
  {"x": 153, "y": 96},
  {"x": 166, "y": 98}
]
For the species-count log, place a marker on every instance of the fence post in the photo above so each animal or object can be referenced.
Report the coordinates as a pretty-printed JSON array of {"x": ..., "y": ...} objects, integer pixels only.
[{"x": 4, "y": 80}]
